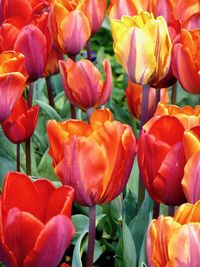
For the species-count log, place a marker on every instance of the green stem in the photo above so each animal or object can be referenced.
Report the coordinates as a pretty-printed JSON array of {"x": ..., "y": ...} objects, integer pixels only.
[
  {"x": 171, "y": 210},
  {"x": 73, "y": 111},
  {"x": 50, "y": 91},
  {"x": 89, "y": 113},
  {"x": 174, "y": 93},
  {"x": 30, "y": 94},
  {"x": 18, "y": 157},
  {"x": 91, "y": 237},
  {"x": 156, "y": 210},
  {"x": 134, "y": 125},
  {"x": 88, "y": 48},
  {"x": 28, "y": 157}
]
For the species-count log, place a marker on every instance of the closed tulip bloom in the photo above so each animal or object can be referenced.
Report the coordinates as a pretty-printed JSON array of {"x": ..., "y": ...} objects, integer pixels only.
[
  {"x": 36, "y": 228},
  {"x": 143, "y": 47},
  {"x": 186, "y": 60},
  {"x": 190, "y": 182},
  {"x": 187, "y": 115},
  {"x": 32, "y": 40},
  {"x": 13, "y": 78},
  {"x": 175, "y": 241},
  {"x": 90, "y": 91},
  {"x": 95, "y": 10},
  {"x": 161, "y": 159},
  {"x": 134, "y": 98},
  {"x": 70, "y": 27},
  {"x": 95, "y": 159},
  {"x": 21, "y": 123}
]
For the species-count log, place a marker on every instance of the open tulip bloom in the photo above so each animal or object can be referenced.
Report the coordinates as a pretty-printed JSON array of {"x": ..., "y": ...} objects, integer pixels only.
[{"x": 35, "y": 222}]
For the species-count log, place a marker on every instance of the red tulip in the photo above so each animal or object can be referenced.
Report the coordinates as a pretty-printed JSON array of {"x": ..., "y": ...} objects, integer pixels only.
[
  {"x": 13, "y": 78},
  {"x": 161, "y": 159},
  {"x": 186, "y": 60},
  {"x": 21, "y": 123},
  {"x": 89, "y": 92},
  {"x": 32, "y": 39},
  {"x": 95, "y": 159},
  {"x": 35, "y": 222}
]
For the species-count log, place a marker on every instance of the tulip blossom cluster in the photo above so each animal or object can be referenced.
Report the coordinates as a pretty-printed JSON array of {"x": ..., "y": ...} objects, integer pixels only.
[{"x": 175, "y": 241}]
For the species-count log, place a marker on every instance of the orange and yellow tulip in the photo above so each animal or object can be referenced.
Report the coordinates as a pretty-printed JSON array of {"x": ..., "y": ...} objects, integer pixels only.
[
  {"x": 95, "y": 159},
  {"x": 187, "y": 115},
  {"x": 175, "y": 241},
  {"x": 186, "y": 60},
  {"x": 13, "y": 78},
  {"x": 89, "y": 92},
  {"x": 134, "y": 98},
  {"x": 143, "y": 47},
  {"x": 35, "y": 220},
  {"x": 70, "y": 27},
  {"x": 21, "y": 123}
]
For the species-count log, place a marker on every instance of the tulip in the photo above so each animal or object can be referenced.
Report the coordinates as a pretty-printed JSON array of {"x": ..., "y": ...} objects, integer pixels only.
[
  {"x": 13, "y": 78},
  {"x": 89, "y": 92},
  {"x": 161, "y": 159},
  {"x": 143, "y": 47},
  {"x": 32, "y": 39},
  {"x": 23, "y": 9},
  {"x": 186, "y": 60},
  {"x": 95, "y": 159},
  {"x": 35, "y": 221},
  {"x": 95, "y": 10},
  {"x": 134, "y": 98},
  {"x": 188, "y": 116},
  {"x": 118, "y": 8},
  {"x": 190, "y": 182},
  {"x": 175, "y": 241},
  {"x": 52, "y": 67},
  {"x": 21, "y": 123},
  {"x": 70, "y": 27}
]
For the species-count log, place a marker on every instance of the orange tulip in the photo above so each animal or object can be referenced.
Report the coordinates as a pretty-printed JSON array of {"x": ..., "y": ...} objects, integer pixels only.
[
  {"x": 134, "y": 98},
  {"x": 21, "y": 123},
  {"x": 95, "y": 159},
  {"x": 190, "y": 182},
  {"x": 161, "y": 159},
  {"x": 70, "y": 27},
  {"x": 32, "y": 39},
  {"x": 175, "y": 241},
  {"x": 89, "y": 92},
  {"x": 186, "y": 60},
  {"x": 143, "y": 47},
  {"x": 13, "y": 78},
  {"x": 52, "y": 66},
  {"x": 36, "y": 228},
  {"x": 188, "y": 116}
]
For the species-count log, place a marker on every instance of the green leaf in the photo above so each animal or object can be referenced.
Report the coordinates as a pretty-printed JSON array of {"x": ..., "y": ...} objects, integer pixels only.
[
  {"x": 129, "y": 206},
  {"x": 80, "y": 222},
  {"x": 45, "y": 168},
  {"x": 129, "y": 251},
  {"x": 49, "y": 111},
  {"x": 116, "y": 209}
]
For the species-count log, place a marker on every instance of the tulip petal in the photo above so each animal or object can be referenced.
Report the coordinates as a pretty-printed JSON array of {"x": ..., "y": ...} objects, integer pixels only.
[
  {"x": 107, "y": 85},
  {"x": 191, "y": 181},
  {"x": 27, "y": 193},
  {"x": 11, "y": 88},
  {"x": 60, "y": 202},
  {"x": 184, "y": 246},
  {"x": 21, "y": 231},
  {"x": 51, "y": 243}
]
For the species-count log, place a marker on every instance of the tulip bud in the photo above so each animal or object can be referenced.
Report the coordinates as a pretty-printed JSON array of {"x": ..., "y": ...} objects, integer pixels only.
[
  {"x": 21, "y": 123},
  {"x": 89, "y": 92}
]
